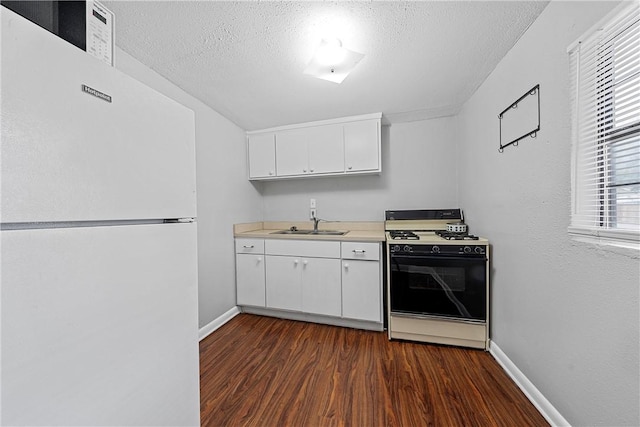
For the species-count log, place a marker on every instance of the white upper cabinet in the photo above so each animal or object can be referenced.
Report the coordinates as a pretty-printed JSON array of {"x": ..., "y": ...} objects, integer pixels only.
[
  {"x": 362, "y": 146},
  {"x": 332, "y": 147},
  {"x": 292, "y": 153},
  {"x": 325, "y": 146},
  {"x": 312, "y": 150},
  {"x": 262, "y": 155}
]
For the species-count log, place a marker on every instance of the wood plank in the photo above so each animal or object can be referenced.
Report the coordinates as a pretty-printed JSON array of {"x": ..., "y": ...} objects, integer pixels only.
[{"x": 261, "y": 371}]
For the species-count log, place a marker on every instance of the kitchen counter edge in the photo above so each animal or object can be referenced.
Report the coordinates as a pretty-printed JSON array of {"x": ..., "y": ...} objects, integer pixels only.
[{"x": 361, "y": 231}]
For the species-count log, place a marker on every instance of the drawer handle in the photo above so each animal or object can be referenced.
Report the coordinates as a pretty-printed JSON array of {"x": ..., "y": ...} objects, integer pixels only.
[
  {"x": 248, "y": 246},
  {"x": 346, "y": 265},
  {"x": 359, "y": 251}
]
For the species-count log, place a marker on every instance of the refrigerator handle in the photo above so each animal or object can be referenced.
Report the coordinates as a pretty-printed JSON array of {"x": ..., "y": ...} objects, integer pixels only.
[{"x": 179, "y": 220}]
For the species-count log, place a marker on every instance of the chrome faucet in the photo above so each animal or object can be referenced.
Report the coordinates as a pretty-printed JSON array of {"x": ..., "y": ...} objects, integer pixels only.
[{"x": 315, "y": 223}]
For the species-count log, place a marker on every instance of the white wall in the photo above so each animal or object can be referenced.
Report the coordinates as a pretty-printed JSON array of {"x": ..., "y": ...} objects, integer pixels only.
[
  {"x": 225, "y": 197},
  {"x": 418, "y": 172},
  {"x": 566, "y": 313}
]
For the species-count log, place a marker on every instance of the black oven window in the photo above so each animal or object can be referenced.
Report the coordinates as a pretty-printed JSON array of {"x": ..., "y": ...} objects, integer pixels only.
[{"x": 439, "y": 288}]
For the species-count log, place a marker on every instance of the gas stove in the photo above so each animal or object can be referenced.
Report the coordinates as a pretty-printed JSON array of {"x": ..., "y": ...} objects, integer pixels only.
[
  {"x": 437, "y": 279},
  {"x": 403, "y": 235},
  {"x": 427, "y": 226},
  {"x": 452, "y": 235}
]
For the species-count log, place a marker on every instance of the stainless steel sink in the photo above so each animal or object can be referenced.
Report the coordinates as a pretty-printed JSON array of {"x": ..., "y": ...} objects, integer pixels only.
[
  {"x": 329, "y": 233},
  {"x": 293, "y": 232},
  {"x": 311, "y": 232}
]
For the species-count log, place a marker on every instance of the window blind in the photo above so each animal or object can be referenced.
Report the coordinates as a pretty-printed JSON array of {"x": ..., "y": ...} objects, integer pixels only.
[{"x": 605, "y": 75}]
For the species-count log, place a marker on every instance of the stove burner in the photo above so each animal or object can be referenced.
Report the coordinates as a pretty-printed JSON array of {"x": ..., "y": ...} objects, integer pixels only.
[
  {"x": 403, "y": 235},
  {"x": 450, "y": 235}
]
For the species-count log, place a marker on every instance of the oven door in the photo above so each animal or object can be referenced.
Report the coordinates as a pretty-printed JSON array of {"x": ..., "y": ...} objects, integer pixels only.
[{"x": 439, "y": 285}]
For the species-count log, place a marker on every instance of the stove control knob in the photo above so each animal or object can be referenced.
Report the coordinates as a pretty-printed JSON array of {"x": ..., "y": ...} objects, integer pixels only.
[
  {"x": 479, "y": 250},
  {"x": 435, "y": 249},
  {"x": 396, "y": 248},
  {"x": 467, "y": 250},
  {"x": 407, "y": 248}
]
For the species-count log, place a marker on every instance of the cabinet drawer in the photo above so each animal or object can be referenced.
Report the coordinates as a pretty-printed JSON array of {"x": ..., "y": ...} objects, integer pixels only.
[
  {"x": 302, "y": 248},
  {"x": 249, "y": 246},
  {"x": 361, "y": 250}
]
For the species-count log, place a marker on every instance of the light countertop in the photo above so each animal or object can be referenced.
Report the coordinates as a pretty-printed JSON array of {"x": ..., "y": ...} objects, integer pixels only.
[{"x": 360, "y": 231}]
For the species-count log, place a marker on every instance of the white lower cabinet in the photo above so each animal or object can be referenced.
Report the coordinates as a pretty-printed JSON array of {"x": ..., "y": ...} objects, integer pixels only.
[
  {"x": 321, "y": 290},
  {"x": 250, "y": 272},
  {"x": 361, "y": 290},
  {"x": 283, "y": 279},
  {"x": 341, "y": 280},
  {"x": 250, "y": 280},
  {"x": 310, "y": 285},
  {"x": 304, "y": 275},
  {"x": 361, "y": 285}
]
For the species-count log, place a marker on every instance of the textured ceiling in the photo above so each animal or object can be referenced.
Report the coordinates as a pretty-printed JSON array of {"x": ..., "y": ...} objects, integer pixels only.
[{"x": 246, "y": 59}]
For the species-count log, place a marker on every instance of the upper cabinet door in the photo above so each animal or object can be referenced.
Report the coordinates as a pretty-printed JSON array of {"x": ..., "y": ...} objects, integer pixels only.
[
  {"x": 291, "y": 152},
  {"x": 362, "y": 146},
  {"x": 325, "y": 145},
  {"x": 262, "y": 155},
  {"x": 71, "y": 155}
]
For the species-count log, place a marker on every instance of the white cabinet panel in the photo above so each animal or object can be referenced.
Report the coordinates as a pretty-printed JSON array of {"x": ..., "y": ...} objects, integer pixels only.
[
  {"x": 303, "y": 248},
  {"x": 250, "y": 280},
  {"x": 284, "y": 287},
  {"x": 326, "y": 149},
  {"x": 291, "y": 152},
  {"x": 102, "y": 326},
  {"x": 262, "y": 155},
  {"x": 321, "y": 289},
  {"x": 361, "y": 250},
  {"x": 70, "y": 156},
  {"x": 249, "y": 246},
  {"x": 362, "y": 145},
  {"x": 361, "y": 290}
]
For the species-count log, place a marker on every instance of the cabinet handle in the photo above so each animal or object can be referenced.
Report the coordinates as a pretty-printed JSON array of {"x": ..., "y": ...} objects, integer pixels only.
[
  {"x": 305, "y": 262},
  {"x": 346, "y": 265},
  {"x": 311, "y": 170},
  {"x": 260, "y": 259},
  {"x": 295, "y": 261},
  {"x": 350, "y": 167},
  {"x": 248, "y": 246},
  {"x": 270, "y": 172},
  {"x": 304, "y": 170},
  {"x": 359, "y": 251}
]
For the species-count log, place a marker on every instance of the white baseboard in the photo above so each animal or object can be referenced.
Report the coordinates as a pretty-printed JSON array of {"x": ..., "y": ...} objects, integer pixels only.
[
  {"x": 216, "y": 323},
  {"x": 545, "y": 407}
]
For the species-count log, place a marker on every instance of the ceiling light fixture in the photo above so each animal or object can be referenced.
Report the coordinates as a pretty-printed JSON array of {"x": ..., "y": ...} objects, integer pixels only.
[{"x": 332, "y": 62}]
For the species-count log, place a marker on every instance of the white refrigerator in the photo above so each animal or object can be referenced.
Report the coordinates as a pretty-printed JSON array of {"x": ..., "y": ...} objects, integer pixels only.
[{"x": 98, "y": 242}]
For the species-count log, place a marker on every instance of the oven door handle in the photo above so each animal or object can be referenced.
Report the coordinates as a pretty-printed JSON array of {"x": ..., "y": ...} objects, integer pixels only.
[{"x": 442, "y": 257}]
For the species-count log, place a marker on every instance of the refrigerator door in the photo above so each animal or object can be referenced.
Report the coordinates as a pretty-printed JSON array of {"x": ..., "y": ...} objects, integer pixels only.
[
  {"x": 99, "y": 326},
  {"x": 70, "y": 155}
]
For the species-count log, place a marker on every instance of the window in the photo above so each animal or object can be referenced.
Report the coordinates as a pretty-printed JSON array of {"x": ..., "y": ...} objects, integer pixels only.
[{"x": 605, "y": 66}]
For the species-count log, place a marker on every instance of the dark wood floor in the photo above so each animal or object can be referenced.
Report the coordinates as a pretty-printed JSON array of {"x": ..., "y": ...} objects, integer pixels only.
[{"x": 260, "y": 371}]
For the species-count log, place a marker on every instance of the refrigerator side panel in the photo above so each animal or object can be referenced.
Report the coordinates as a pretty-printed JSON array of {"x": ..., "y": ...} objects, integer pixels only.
[
  {"x": 81, "y": 141},
  {"x": 99, "y": 326}
]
